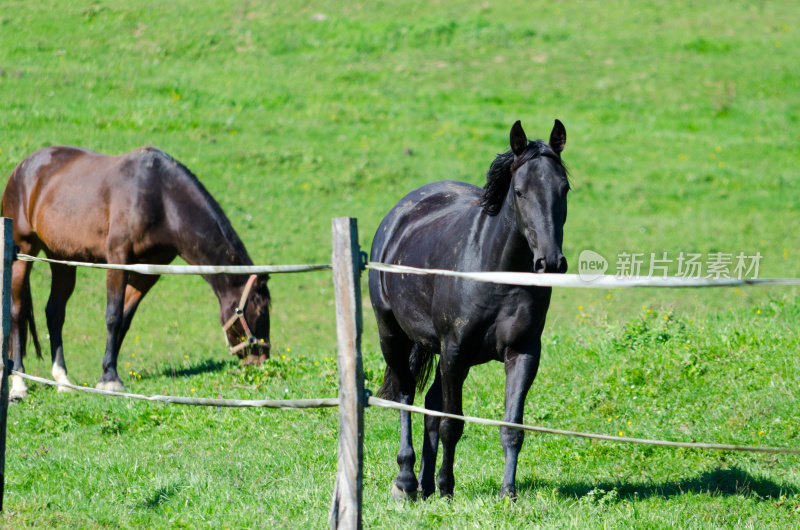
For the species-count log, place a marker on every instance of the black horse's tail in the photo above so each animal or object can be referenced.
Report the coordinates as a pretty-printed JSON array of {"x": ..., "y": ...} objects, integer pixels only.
[
  {"x": 421, "y": 364},
  {"x": 27, "y": 320}
]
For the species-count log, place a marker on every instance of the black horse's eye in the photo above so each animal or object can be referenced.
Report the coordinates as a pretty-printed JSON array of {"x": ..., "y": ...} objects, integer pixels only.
[{"x": 518, "y": 192}]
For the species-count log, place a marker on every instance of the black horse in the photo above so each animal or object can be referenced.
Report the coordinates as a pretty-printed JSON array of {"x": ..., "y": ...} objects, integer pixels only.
[
  {"x": 141, "y": 207},
  {"x": 515, "y": 223}
]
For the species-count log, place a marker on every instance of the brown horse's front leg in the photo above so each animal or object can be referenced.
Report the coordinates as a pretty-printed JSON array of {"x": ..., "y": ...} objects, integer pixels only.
[
  {"x": 116, "y": 282},
  {"x": 61, "y": 288},
  {"x": 137, "y": 285},
  {"x": 520, "y": 372}
]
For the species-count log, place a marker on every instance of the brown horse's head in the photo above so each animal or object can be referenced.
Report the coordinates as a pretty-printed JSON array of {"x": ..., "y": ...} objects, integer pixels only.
[{"x": 247, "y": 329}]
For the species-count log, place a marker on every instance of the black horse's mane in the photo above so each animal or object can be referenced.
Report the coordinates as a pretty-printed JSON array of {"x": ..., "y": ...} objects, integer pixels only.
[{"x": 498, "y": 177}]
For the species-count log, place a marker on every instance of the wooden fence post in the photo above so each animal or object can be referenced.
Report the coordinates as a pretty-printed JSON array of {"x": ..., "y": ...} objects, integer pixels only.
[
  {"x": 346, "y": 505},
  {"x": 5, "y": 318}
]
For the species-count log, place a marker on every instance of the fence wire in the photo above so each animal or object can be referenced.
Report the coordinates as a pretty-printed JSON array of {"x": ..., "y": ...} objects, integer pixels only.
[
  {"x": 501, "y": 277},
  {"x": 510, "y": 278},
  {"x": 202, "y": 402},
  {"x": 530, "y": 279},
  {"x": 204, "y": 270},
  {"x": 378, "y": 402},
  {"x": 286, "y": 404}
]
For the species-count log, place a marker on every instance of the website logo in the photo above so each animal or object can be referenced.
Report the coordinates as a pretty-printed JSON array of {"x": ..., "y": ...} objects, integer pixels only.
[{"x": 591, "y": 265}]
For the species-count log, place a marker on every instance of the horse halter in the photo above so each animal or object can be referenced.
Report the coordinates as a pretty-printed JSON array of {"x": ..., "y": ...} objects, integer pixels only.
[{"x": 238, "y": 314}]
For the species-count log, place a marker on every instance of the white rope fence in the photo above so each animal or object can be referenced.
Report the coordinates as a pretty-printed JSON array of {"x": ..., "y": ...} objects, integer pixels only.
[
  {"x": 202, "y": 402},
  {"x": 378, "y": 402},
  {"x": 286, "y": 404},
  {"x": 574, "y": 280},
  {"x": 142, "y": 268},
  {"x": 346, "y": 507},
  {"x": 508, "y": 278}
]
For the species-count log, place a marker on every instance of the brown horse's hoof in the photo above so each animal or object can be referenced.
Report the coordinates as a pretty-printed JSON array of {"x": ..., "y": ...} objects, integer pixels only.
[
  {"x": 254, "y": 359},
  {"x": 400, "y": 495},
  {"x": 113, "y": 386}
]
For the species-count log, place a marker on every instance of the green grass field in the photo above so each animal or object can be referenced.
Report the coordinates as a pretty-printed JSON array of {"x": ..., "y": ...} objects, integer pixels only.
[{"x": 682, "y": 122}]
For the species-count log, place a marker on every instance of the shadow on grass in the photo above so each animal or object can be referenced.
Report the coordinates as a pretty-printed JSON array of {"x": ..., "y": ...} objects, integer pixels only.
[
  {"x": 203, "y": 367},
  {"x": 728, "y": 481},
  {"x": 161, "y": 496}
]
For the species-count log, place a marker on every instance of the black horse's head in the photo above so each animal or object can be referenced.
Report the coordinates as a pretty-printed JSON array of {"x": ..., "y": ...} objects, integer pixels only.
[
  {"x": 538, "y": 194},
  {"x": 247, "y": 329},
  {"x": 531, "y": 181}
]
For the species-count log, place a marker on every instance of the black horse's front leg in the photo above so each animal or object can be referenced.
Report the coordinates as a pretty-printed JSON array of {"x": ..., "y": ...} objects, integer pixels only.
[
  {"x": 116, "y": 282},
  {"x": 453, "y": 373},
  {"x": 520, "y": 372}
]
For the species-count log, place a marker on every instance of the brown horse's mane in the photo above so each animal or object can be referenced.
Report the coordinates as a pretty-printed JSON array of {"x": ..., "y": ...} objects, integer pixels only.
[{"x": 175, "y": 168}]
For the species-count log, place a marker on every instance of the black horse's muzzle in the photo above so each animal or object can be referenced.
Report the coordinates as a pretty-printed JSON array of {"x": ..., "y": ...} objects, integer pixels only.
[{"x": 557, "y": 263}]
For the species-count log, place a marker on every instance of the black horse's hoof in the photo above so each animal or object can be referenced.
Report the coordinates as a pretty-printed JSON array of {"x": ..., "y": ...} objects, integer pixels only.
[
  {"x": 17, "y": 396},
  {"x": 112, "y": 386},
  {"x": 426, "y": 493},
  {"x": 404, "y": 496},
  {"x": 508, "y": 493}
]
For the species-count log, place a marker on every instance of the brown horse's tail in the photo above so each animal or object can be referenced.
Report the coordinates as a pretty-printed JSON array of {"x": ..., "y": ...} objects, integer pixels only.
[{"x": 27, "y": 320}]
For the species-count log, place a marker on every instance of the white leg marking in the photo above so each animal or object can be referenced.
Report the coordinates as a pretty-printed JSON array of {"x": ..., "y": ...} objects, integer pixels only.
[
  {"x": 400, "y": 495},
  {"x": 114, "y": 386},
  {"x": 60, "y": 376},
  {"x": 18, "y": 388}
]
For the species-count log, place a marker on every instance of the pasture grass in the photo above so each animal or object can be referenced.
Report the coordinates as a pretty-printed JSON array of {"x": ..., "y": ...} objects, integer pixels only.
[{"x": 682, "y": 121}]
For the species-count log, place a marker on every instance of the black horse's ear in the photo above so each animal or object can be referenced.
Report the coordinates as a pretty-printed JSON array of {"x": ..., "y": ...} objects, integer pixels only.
[
  {"x": 518, "y": 139},
  {"x": 558, "y": 137}
]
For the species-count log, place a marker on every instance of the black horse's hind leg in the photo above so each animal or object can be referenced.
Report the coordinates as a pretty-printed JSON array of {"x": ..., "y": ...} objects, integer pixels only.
[
  {"x": 116, "y": 284},
  {"x": 520, "y": 372},
  {"x": 453, "y": 373},
  {"x": 399, "y": 386},
  {"x": 61, "y": 288},
  {"x": 405, "y": 485},
  {"x": 430, "y": 441}
]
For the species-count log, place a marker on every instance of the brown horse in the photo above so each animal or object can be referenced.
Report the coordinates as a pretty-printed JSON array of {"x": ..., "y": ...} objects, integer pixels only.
[{"x": 141, "y": 207}]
